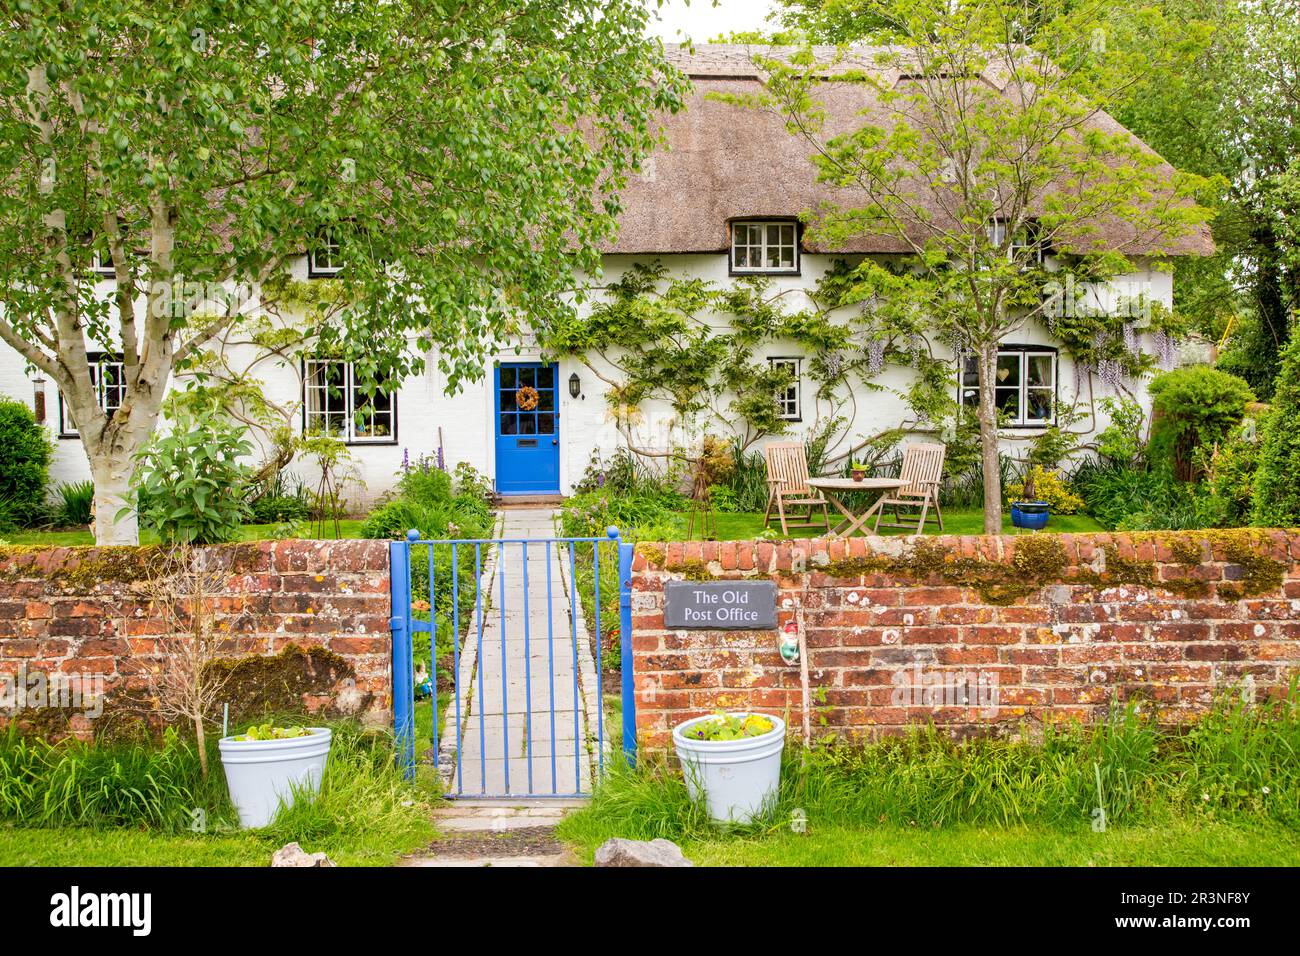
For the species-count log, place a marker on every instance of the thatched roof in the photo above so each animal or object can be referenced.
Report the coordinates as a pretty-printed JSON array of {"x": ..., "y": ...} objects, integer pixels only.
[{"x": 725, "y": 162}]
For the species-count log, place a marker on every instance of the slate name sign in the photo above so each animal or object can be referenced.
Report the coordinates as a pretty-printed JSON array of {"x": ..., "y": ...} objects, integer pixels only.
[{"x": 720, "y": 605}]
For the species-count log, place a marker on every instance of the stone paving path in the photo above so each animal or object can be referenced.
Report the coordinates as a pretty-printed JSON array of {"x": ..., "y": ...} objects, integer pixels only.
[{"x": 518, "y": 682}]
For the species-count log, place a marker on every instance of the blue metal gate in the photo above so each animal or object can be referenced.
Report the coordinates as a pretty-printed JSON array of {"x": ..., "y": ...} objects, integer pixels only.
[{"x": 521, "y": 712}]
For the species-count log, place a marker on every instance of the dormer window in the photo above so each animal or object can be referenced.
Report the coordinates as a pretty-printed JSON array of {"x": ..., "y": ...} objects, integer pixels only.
[
  {"x": 765, "y": 247},
  {"x": 325, "y": 258},
  {"x": 1022, "y": 246},
  {"x": 101, "y": 264}
]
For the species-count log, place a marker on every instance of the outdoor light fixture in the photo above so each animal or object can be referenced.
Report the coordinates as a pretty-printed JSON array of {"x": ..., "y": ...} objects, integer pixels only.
[{"x": 575, "y": 386}]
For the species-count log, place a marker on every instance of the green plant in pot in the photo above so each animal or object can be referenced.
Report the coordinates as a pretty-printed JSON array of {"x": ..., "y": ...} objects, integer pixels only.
[
  {"x": 1030, "y": 512},
  {"x": 858, "y": 470},
  {"x": 269, "y": 767},
  {"x": 732, "y": 761}
]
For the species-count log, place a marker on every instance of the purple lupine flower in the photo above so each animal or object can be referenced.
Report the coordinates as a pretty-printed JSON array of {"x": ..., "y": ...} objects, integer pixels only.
[
  {"x": 442, "y": 464},
  {"x": 406, "y": 460}
]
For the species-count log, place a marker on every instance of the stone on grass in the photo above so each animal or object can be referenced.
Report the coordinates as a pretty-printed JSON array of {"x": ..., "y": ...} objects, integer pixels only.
[
  {"x": 620, "y": 852},
  {"x": 291, "y": 854}
]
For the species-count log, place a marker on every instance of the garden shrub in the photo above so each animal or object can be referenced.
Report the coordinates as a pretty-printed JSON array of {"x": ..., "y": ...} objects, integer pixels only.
[
  {"x": 1126, "y": 498},
  {"x": 426, "y": 502},
  {"x": 635, "y": 515},
  {"x": 1193, "y": 407},
  {"x": 1276, "y": 491},
  {"x": 1120, "y": 442},
  {"x": 1049, "y": 488},
  {"x": 24, "y": 465},
  {"x": 468, "y": 481},
  {"x": 277, "y": 502},
  {"x": 440, "y": 507},
  {"x": 191, "y": 486},
  {"x": 1230, "y": 469},
  {"x": 424, "y": 484}
]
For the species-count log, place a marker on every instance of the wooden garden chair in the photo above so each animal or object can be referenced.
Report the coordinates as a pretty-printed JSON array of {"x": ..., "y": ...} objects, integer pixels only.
[
  {"x": 787, "y": 486},
  {"x": 923, "y": 471}
]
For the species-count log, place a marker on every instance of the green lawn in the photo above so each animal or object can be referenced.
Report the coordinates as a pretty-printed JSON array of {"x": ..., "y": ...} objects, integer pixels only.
[
  {"x": 348, "y": 528},
  {"x": 1180, "y": 843},
  {"x": 745, "y": 526},
  {"x": 71, "y": 846}
]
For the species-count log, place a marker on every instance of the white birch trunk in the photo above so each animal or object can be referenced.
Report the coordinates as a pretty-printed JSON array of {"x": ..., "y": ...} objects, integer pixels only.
[{"x": 988, "y": 419}]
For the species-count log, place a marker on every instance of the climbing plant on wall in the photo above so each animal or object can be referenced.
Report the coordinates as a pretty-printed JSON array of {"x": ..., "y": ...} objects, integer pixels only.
[{"x": 700, "y": 348}]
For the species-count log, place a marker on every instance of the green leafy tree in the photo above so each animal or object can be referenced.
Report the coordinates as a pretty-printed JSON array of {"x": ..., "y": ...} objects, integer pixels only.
[
  {"x": 1219, "y": 99},
  {"x": 465, "y": 156},
  {"x": 973, "y": 181},
  {"x": 1277, "y": 482},
  {"x": 1193, "y": 408}
]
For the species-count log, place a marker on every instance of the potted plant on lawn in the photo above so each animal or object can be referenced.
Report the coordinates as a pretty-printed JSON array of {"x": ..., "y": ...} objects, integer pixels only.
[
  {"x": 268, "y": 766},
  {"x": 734, "y": 760},
  {"x": 1030, "y": 513}
]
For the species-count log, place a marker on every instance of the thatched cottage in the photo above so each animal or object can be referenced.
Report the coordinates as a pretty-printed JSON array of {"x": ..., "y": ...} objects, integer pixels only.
[{"x": 721, "y": 202}]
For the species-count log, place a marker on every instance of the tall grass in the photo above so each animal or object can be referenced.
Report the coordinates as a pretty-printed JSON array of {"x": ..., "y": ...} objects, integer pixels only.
[
  {"x": 73, "y": 501},
  {"x": 362, "y": 792},
  {"x": 71, "y": 783},
  {"x": 966, "y": 489},
  {"x": 363, "y": 796},
  {"x": 1238, "y": 761}
]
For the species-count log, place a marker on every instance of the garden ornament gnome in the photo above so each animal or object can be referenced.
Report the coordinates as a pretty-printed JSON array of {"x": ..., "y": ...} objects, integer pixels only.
[{"x": 787, "y": 642}]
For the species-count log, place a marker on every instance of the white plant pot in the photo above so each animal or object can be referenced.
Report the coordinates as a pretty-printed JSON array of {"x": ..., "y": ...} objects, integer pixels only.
[
  {"x": 737, "y": 776},
  {"x": 263, "y": 773}
]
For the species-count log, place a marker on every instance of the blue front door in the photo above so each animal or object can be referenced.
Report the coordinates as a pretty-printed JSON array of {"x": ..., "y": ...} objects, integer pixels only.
[{"x": 527, "y": 429}]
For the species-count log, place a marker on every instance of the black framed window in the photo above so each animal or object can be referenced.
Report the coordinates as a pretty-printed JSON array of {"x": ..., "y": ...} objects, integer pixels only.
[
  {"x": 325, "y": 258},
  {"x": 788, "y": 399},
  {"x": 108, "y": 378},
  {"x": 335, "y": 404},
  {"x": 765, "y": 246},
  {"x": 1025, "y": 386}
]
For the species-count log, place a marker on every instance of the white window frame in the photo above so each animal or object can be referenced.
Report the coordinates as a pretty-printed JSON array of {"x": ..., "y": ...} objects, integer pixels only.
[
  {"x": 345, "y": 404},
  {"x": 328, "y": 244},
  {"x": 102, "y": 265},
  {"x": 753, "y": 235},
  {"x": 997, "y": 231},
  {"x": 108, "y": 397},
  {"x": 1023, "y": 354},
  {"x": 790, "y": 402}
]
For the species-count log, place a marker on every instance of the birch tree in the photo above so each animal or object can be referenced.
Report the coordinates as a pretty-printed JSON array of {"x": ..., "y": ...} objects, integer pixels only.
[{"x": 465, "y": 156}]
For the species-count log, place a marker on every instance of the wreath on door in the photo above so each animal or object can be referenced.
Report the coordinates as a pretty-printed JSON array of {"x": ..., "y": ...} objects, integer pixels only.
[{"x": 526, "y": 398}]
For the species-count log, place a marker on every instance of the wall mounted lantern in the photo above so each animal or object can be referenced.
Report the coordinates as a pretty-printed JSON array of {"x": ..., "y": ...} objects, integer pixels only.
[{"x": 575, "y": 386}]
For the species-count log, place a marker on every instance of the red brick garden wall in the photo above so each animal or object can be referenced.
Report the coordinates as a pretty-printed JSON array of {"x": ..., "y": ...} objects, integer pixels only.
[
  {"x": 1061, "y": 625},
  {"x": 91, "y": 611}
]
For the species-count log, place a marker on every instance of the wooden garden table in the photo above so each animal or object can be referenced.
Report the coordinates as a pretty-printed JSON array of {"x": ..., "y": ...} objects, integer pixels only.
[{"x": 832, "y": 488}]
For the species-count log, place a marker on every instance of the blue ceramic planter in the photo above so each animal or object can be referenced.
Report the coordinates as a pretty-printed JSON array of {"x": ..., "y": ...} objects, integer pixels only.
[{"x": 1030, "y": 515}]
